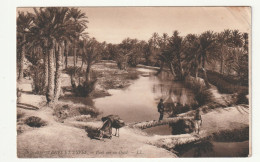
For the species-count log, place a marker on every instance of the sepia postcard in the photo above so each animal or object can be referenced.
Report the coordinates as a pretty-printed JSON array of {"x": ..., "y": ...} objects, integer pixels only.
[{"x": 133, "y": 82}]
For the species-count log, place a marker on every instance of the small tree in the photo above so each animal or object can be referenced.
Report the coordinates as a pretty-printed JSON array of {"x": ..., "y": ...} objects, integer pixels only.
[
  {"x": 24, "y": 23},
  {"x": 92, "y": 54}
]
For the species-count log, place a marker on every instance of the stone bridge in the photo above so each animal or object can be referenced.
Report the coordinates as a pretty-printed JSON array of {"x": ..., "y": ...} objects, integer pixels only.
[{"x": 154, "y": 123}]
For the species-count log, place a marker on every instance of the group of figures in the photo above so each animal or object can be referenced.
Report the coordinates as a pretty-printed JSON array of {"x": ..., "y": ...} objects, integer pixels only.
[{"x": 197, "y": 116}]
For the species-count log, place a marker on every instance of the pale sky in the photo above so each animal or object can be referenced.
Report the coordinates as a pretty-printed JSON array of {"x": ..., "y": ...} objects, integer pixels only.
[{"x": 113, "y": 24}]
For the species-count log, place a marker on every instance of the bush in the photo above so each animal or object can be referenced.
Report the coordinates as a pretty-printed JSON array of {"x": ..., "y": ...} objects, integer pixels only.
[
  {"x": 182, "y": 127},
  {"x": 85, "y": 89},
  {"x": 202, "y": 95},
  {"x": 34, "y": 121},
  {"x": 241, "y": 98},
  {"x": 80, "y": 86},
  {"x": 88, "y": 111}
]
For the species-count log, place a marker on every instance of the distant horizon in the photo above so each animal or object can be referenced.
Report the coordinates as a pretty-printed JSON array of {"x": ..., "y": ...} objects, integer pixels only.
[{"x": 114, "y": 24}]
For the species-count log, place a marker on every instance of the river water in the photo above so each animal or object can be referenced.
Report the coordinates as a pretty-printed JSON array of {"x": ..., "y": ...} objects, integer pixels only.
[{"x": 138, "y": 102}]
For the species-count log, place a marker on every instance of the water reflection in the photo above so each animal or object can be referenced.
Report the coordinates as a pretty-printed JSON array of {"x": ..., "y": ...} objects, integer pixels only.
[
  {"x": 139, "y": 101},
  {"x": 177, "y": 97}
]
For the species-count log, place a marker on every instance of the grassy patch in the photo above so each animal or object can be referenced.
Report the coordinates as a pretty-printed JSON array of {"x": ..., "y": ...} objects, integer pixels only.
[
  {"x": 65, "y": 110},
  {"x": 83, "y": 118}
]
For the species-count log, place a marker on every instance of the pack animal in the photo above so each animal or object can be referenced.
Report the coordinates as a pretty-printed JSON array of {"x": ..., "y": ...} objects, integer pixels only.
[{"x": 109, "y": 122}]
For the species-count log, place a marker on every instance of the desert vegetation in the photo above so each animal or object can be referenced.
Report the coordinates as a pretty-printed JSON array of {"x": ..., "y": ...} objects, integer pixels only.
[{"x": 67, "y": 69}]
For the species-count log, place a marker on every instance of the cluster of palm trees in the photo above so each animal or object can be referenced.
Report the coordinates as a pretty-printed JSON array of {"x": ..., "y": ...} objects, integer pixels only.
[
  {"x": 52, "y": 31},
  {"x": 187, "y": 55},
  {"x": 49, "y": 35}
]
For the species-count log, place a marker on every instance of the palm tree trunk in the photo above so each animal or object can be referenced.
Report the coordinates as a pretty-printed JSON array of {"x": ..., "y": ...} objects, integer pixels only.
[
  {"x": 222, "y": 65},
  {"x": 82, "y": 62},
  {"x": 74, "y": 54},
  {"x": 172, "y": 69},
  {"x": 59, "y": 63},
  {"x": 45, "y": 69},
  {"x": 221, "y": 61},
  {"x": 50, "y": 89},
  {"x": 77, "y": 57},
  {"x": 196, "y": 66},
  {"x": 66, "y": 54},
  {"x": 21, "y": 61},
  {"x": 88, "y": 72},
  {"x": 180, "y": 66},
  {"x": 205, "y": 72}
]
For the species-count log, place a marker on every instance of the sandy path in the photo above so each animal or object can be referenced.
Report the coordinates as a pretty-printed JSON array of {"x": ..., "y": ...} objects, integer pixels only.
[{"x": 61, "y": 140}]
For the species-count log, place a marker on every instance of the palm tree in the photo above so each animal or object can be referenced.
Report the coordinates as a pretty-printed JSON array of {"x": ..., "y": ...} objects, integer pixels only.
[
  {"x": 92, "y": 54},
  {"x": 191, "y": 52},
  {"x": 66, "y": 31},
  {"x": 236, "y": 39},
  {"x": 163, "y": 44},
  {"x": 207, "y": 49},
  {"x": 224, "y": 40},
  {"x": 66, "y": 51},
  {"x": 24, "y": 23},
  {"x": 176, "y": 43},
  {"x": 53, "y": 26},
  {"x": 172, "y": 55},
  {"x": 80, "y": 19},
  {"x": 245, "y": 36},
  {"x": 152, "y": 49}
]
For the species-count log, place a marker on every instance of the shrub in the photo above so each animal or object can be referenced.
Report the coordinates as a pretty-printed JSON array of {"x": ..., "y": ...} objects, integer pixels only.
[
  {"x": 202, "y": 95},
  {"x": 241, "y": 98},
  {"x": 85, "y": 89},
  {"x": 80, "y": 86},
  {"x": 182, "y": 127},
  {"x": 34, "y": 121},
  {"x": 88, "y": 111}
]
